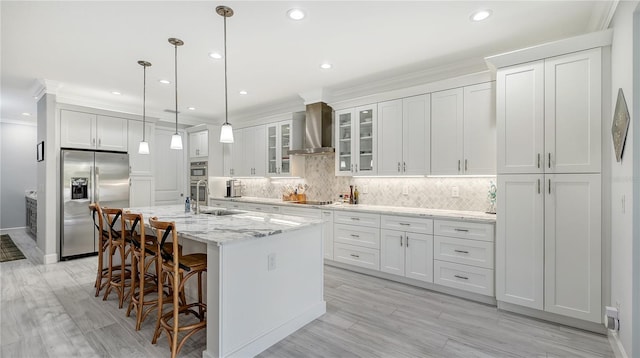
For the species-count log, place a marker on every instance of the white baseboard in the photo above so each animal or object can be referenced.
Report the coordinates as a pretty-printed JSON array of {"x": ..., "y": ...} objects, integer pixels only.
[
  {"x": 274, "y": 336},
  {"x": 616, "y": 345},
  {"x": 2, "y": 230},
  {"x": 49, "y": 259}
]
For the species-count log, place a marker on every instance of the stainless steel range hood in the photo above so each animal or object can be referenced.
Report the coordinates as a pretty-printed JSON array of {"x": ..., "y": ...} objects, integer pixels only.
[{"x": 317, "y": 132}]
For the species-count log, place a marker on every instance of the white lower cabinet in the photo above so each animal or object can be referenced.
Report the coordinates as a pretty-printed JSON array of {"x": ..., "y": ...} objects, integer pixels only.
[
  {"x": 356, "y": 239},
  {"x": 549, "y": 243},
  {"x": 327, "y": 233},
  {"x": 356, "y": 255},
  {"x": 408, "y": 252},
  {"x": 463, "y": 256},
  {"x": 141, "y": 191}
]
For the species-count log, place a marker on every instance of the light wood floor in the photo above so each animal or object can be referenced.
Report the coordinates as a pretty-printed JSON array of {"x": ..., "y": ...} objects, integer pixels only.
[{"x": 51, "y": 311}]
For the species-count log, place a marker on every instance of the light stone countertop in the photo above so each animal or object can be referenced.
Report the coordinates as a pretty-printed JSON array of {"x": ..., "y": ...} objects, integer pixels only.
[
  {"x": 475, "y": 216},
  {"x": 224, "y": 229}
]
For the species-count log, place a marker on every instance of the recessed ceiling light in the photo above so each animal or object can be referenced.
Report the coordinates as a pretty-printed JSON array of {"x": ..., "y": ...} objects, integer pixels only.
[
  {"x": 243, "y": 92},
  {"x": 26, "y": 114},
  {"x": 295, "y": 14},
  {"x": 326, "y": 66},
  {"x": 215, "y": 55},
  {"x": 116, "y": 93},
  {"x": 166, "y": 82},
  {"x": 480, "y": 15},
  {"x": 192, "y": 108}
]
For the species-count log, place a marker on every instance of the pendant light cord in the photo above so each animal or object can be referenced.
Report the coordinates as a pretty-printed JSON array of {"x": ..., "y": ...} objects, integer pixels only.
[
  {"x": 176, "y": 82},
  {"x": 144, "y": 99},
  {"x": 226, "y": 103}
]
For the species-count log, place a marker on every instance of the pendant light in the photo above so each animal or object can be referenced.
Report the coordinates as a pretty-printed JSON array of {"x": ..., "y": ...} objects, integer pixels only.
[
  {"x": 226, "y": 132},
  {"x": 176, "y": 139},
  {"x": 144, "y": 145}
]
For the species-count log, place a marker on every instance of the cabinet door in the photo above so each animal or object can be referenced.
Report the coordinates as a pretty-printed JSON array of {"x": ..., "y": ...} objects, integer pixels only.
[
  {"x": 390, "y": 137},
  {"x": 238, "y": 165},
  {"x": 111, "y": 133},
  {"x": 204, "y": 144},
  {"x": 227, "y": 159},
  {"x": 573, "y": 246},
  {"x": 392, "y": 251},
  {"x": 419, "y": 256},
  {"x": 141, "y": 191},
  {"x": 272, "y": 149},
  {"x": 141, "y": 164},
  {"x": 365, "y": 154},
  {"x": 284, "y": 129},
  {"x": 480, "y": 129},
  {"x": 446, "y": 132},
  {"x": 327, "y": 233},
  {"x": 416, "y": 135},
  {"x": 520, "y": 240},
  {"x": 520, "y": 118},
  {"x": 194, "y": 144},
  {"x": 573, "y": 112},
  {"x": 256, "y": 143},
  {"x": 77, "y": 130},
  {"x": 343, "y": 141}
]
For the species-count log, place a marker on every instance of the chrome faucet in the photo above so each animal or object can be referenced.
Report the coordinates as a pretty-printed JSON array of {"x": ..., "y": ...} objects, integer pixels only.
[{"x": 197, "y": 203}]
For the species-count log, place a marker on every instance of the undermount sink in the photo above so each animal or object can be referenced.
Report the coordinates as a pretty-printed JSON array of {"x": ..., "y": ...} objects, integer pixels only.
[{"x": 219, "y": 212}]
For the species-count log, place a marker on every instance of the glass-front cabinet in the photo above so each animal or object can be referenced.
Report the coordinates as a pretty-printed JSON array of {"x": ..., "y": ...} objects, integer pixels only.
[
  {"x": 278, "y": 145},
  {"x": 356, "y": 141}
]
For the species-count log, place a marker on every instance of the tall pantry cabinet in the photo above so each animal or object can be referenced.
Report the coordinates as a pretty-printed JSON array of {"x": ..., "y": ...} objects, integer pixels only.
[{"x": 548, "y": 243}]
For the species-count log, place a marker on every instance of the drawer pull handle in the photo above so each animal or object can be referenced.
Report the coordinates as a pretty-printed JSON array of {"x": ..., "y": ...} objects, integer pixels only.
[
  {"x": 400, "y": 240},
  {"x": 461, "y": 277},
  {"x": 461, "y": 251},
  {"x": 404, "y": 224},
  {"x": 354, "y": 255},
  {"x": 355, "y": 218},
  {"x": 461, "y": 230},
  {"x": 354, "y": 235}
]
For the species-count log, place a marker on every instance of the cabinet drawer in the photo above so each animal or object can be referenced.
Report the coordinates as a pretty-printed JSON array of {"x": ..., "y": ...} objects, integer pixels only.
[
  {"x": 362, "y": 219},
  {"x": 463, "y": 251},
  {"x": 463, "y": 277},
  {"x": 463, "y": 230},
  {"x": 358, "y": 256},
  {"x": 305, "y": 212},
  {"x": 408, "y": 224},
  {"x": 357, "y": 235}
]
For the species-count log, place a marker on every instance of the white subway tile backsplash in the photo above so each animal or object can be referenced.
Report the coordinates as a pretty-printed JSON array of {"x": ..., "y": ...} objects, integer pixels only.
[{"x": 433, "y": 193}]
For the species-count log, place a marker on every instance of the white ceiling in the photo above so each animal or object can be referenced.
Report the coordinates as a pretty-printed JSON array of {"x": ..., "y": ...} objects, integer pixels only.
[{"x": 91, "y": 48}]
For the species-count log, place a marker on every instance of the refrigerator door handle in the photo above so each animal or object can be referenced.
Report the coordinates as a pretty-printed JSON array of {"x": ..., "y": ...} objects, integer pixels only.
[{"x": 96, "y": 184}]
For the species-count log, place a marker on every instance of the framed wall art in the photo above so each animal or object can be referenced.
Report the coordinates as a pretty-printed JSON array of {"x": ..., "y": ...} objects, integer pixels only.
[
  {"x": 40, "y": 151},
  {"x": 620, "y": 125}
]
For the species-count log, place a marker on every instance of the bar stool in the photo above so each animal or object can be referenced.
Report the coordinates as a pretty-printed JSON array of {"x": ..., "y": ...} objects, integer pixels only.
[
  {"x": 173, "y": 269},
  {"x": 117, "y": 275},
  {"x": 144, "y": 282},
  {"x": 103, "y": 243}
]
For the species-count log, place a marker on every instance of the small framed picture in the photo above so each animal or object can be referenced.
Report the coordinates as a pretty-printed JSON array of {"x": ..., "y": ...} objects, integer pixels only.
[
  {"x": 40, "y": 151},
  {"x": 620, "y": 125}
]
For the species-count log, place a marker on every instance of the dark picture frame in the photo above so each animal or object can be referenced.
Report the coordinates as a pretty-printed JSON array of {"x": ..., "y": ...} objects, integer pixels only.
[
  {"x": 620, "y": 125},
  {"x": 40, "y": 151}
]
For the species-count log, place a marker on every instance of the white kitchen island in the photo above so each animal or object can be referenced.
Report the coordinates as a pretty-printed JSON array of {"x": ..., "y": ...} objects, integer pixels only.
[{"x": 264, "y": 275}]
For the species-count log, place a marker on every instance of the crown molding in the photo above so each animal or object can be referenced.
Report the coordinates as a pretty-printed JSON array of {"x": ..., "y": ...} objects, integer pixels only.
[
  {"x": 43, "y": 86},
  {"x": 22, "y": 123},
  {"x": 602, "y": 14}
]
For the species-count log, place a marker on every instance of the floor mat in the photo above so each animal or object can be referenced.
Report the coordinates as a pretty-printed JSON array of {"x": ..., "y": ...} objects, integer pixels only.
[{"x": 8, "y": 250}]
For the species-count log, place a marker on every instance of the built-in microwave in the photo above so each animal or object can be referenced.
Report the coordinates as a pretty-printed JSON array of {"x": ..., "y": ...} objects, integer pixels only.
[
  {"x": 198, "y": 170},
  {"x": 203, "y": 192}
]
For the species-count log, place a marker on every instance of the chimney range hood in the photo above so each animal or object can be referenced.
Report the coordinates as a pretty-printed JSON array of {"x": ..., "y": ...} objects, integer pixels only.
[{"x": 317, "y": 131}]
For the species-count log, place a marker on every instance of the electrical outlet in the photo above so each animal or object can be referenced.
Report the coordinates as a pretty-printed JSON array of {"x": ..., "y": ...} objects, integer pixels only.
[
  {"x": 365, "y": 189},
  {"x": 405, "y": 190},
  {"x": 271, "y": 261},
  {"x": 455, "y": 192}
]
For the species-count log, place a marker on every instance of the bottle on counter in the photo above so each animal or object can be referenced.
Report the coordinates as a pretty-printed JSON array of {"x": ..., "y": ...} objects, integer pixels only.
[
  {"x": 350, "y": 194},
  {"x": 356, "y": 195},
  {"x": 187, "y": 205}
]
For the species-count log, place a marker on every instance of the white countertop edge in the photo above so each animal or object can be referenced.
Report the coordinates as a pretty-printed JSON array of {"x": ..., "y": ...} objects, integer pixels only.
[{"x": 476, "y": 216}]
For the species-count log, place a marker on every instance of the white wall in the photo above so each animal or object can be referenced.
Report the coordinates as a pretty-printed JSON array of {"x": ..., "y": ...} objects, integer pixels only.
[
  {"x": 622, "y": 174},
  {"x": 17, "y": 170}
]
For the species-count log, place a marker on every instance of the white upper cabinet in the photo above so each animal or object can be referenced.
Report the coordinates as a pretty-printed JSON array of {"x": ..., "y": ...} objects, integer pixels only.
[
  {"x": 254, "y": 150},
  {"x": 356, "y": 141},
  {"x": 479, "y": 145},
  {"x": 141, "y": 164},
  {"x": 403, "y": 136},
  {"x": 237, "y": 154},
  {"x": 573, "y": 112},
  {"x": 549, "y": 115},
  {"x": 573, "y": 246},
  {"x": 280, "y": 138},
  {"x": 463, "y": 131},
  {"x": 446, "y": 132},
  {"x": 199, "y": 144},
  {"x": 90, "y": 131}
]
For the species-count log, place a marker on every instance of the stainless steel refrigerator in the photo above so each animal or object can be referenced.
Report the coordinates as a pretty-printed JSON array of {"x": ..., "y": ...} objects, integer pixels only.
[{"x": 87, "y": 177}]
